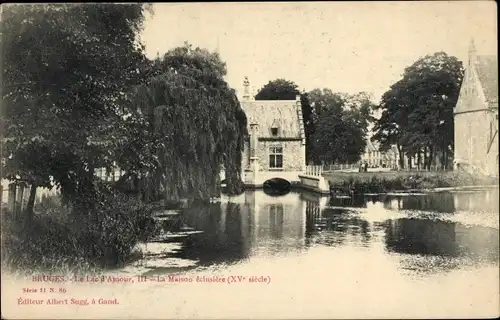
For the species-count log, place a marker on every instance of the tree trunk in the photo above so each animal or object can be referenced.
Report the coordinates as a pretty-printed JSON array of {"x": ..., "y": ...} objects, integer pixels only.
[
  {"x": 31, "y": 204},
  {"x": 425, "y": 158},
  {"x": 401, "y": 157},
  {"x": 431, "y": 156},
  {"x": 445, "y": 158},
  {"x": 19, "y": 200},
  {"x": 419, "y": 158},
  {"x": 12, "y": 198},
  {"x": 409, "y": 162},
  {"x": 135, "y": 186}
]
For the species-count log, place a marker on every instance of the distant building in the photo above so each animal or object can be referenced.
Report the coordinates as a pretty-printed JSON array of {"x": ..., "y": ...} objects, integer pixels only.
[
  {"x": 376, "y": 158},
  {"x": 277, "y": 141},
  {"x": 476, "y": 115}
]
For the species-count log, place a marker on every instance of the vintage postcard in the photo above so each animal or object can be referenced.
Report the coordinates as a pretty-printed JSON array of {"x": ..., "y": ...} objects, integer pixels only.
[{"x": 263, "y": 160}]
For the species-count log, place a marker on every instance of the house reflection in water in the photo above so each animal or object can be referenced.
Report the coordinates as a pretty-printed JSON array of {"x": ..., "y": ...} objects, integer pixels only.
[
  {"x": 250, "y": 224},
  {"x": 278, "y": 223}
]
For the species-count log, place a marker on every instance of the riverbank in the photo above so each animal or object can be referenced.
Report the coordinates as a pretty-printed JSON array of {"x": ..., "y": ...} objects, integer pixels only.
[
  {"x": 62, "y": 239},
  {"x": 382, "y": 182}
]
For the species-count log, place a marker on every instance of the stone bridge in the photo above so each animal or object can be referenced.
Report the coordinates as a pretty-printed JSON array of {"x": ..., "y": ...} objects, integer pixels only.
[{"x": 311, "y": 178}]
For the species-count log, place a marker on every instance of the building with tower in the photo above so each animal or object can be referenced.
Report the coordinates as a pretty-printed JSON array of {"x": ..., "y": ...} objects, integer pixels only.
[
  {"x": 276, "y": 147},
  {"x": 476, "y": 115}
]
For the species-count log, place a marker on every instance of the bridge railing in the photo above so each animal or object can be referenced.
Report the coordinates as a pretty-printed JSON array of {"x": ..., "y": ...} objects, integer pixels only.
[{"x": 314, "y": 170}]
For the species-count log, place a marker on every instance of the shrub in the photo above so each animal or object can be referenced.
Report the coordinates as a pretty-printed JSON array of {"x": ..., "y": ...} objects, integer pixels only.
[
  {"x": 380, "y": 183},
  {"x": 75, "y": 236}
]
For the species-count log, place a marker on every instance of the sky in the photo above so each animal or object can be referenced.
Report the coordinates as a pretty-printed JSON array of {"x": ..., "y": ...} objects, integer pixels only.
[{"x": 344, "y": 46}]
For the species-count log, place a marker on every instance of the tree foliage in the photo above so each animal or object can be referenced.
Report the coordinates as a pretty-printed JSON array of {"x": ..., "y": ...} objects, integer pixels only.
[
  {"x": 67, "y": 68},
  {"x": 194, "y": 123},
  {"x": 279, "y": 89},
  {"x": 79, "y": 94},
  {"x": 417, "y": 112},
  {"x": 341, "y": 122}
]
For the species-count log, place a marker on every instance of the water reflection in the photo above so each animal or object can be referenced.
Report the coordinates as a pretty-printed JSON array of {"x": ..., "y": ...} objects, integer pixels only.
[
  {"x": 413, "y": 229},
  {"x": 436, "y": 202},
  {"x": 427, "y": 237},
  {"x": 447, "y": 202},
  {"x": 225, "y": 237}
]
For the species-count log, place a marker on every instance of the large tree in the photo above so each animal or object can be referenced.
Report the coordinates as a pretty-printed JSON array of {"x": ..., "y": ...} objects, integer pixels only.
[
  {"x": 417, "y": 112},
  {"x": 194, "y": 126},
  {"x": 67, "y": 69},
  {"x": 341, "y": 122},
  {"x": 389, "y": 128},
  {"x": 279, "y": 89},
  {"x": 282, "y": 89}
]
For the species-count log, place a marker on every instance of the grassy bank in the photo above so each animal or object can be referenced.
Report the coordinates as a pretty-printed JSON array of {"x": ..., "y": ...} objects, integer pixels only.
[
  {"x": 380, "y": 182},
  {"x": 63, "y": 240}
]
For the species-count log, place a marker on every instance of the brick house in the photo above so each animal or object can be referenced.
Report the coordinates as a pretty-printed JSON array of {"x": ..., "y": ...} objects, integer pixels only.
[
  {"x": 276, "y": 147},
  {"x": 476, "y": 115}
]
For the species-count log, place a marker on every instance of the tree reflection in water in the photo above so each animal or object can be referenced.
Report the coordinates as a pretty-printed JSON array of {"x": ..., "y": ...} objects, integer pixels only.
[
  {"x": 429, "y": 237},
  {"x": 426, "y": 232}
]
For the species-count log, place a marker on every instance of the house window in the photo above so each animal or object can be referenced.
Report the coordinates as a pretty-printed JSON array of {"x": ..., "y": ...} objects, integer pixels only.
[
  {"x": 274, "y": 127},
  {"x": 276, "y": 157}
]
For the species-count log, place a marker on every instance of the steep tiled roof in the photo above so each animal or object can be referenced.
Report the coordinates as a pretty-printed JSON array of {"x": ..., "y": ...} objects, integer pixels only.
[
  {"x": 487, "y": 71},
  {"x": 268, "y": 113}
]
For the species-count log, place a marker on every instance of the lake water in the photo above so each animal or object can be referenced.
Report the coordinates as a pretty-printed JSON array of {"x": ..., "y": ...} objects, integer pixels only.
[
  {"x": 424, "y": 233},
  {"x": 376, "y": 256},
  {"x": 370, "y": 255}
]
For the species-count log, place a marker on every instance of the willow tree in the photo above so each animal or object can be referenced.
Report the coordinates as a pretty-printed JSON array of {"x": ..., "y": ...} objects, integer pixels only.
[{"x": 194, "y": 123}]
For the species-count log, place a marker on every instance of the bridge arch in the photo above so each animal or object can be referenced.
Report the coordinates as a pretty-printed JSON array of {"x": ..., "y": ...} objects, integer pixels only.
[{"x": 277, "y": 186}]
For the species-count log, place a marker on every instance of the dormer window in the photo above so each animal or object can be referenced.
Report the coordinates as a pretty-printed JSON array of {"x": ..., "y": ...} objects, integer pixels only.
[{"x": 274, "y": 128}]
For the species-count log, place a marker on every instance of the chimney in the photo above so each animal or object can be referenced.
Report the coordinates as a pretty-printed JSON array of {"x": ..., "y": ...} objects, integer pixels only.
[{"x": 246, "y": 87}]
